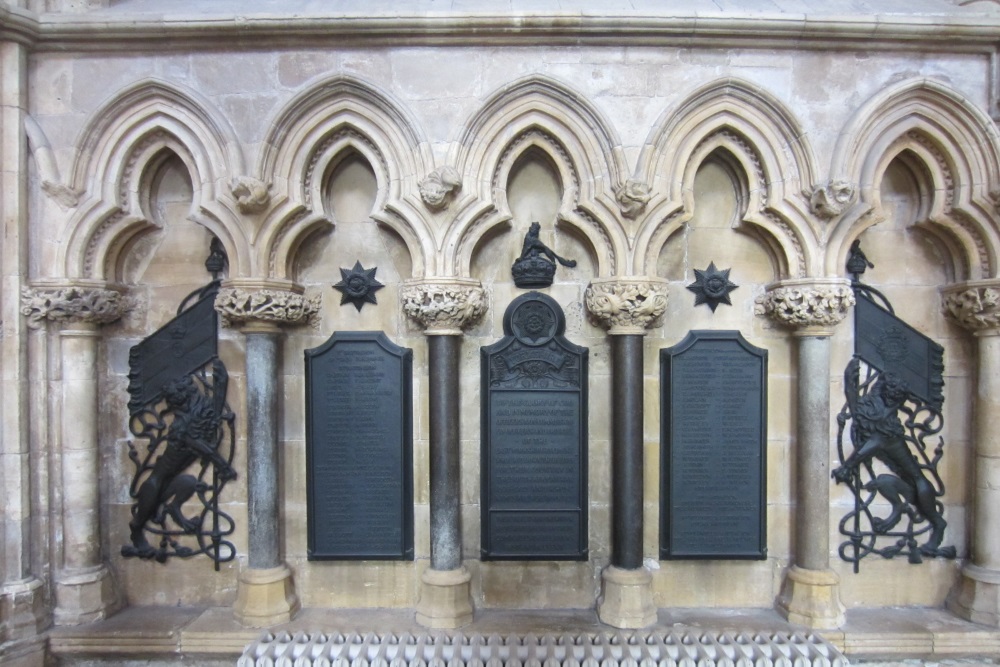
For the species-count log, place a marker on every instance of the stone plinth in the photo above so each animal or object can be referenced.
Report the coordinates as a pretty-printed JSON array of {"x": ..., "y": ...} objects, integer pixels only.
[
  {"x": 445, "y": 599},
  {"x": 811, "y": 598},
  {"x": 626, "y": 598},
  {"x": 265, "y": 597}
]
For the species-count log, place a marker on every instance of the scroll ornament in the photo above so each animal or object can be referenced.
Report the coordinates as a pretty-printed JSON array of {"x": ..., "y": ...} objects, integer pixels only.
[
  {"x": 71, "y": 304},
  {"x": 975, "y": 308},
  {"x": 239, "y": 306},
  {"x": 798, "y": 306},
  {"x": 627, "y": 305},
  {"x": 444, "y": 307}
]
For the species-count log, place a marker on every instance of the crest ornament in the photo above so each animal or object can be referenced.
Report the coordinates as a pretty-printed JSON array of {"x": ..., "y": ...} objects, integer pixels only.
[
  {"x": 358, "y": 286},
  {"x": 712, "y": 287},
  {"x": 536, "y": 267}
]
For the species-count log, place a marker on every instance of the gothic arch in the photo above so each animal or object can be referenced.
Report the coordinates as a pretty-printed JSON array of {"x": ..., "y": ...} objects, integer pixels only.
[
  {"x": 958, "y": 147},
  {"x": 772, "y": 151},
  {"x": 542, "y": 114},
  {"x": 310, "y": 134},
  {"x": 127, "y": 136}
]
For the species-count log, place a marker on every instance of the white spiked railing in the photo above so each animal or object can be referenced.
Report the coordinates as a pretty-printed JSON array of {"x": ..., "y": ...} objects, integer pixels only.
[{"x": 689, "y": 649}]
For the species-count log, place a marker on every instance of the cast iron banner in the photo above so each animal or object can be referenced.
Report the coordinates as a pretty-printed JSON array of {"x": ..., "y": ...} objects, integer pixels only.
[
  {"x": 713, "y": 448},
  {"x": 359, "y": 448},
  {"x": 534, "y": 437}
]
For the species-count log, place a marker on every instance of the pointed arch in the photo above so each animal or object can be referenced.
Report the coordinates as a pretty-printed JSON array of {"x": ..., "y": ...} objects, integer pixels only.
[
  {"x": 332, "y": 118},
  {"x": 955, "y": 142},
  {"x": 125, "y": 138},
  {"x": 539, "y": 113},
  {"x": 766, "y": 141}
]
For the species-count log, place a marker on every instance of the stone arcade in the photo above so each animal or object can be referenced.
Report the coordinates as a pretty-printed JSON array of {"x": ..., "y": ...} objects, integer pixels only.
[{"x": 759, "y": 139}]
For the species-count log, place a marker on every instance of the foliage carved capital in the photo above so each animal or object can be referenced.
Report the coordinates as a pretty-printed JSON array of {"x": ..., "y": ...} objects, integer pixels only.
[
  {"x": 810, "y": 306},
  {"x": 443, "y": 306},
  {"x": 974, "y": 306},
  {"x": 70, "y": 304},
  {"x": 240, "y": 306},
  {"x": 627, "y": 305}
]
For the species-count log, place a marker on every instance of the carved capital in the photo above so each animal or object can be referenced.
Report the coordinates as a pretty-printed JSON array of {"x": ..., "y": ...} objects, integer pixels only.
[
  {"x": 240, "y": 306},
  {"x": 974, "y": 305},
  {"x": 828, "y": 201},
  {"x": 88, "y": 304},
  {"x": 632, "y": 198},
  {"x": 252, "y": 195},
  {"x": 439, "y": 187},
  {"x": 443, "y": 306},
  {"x": 813, "y": 307},
  {"x": 627, "y": 305}
]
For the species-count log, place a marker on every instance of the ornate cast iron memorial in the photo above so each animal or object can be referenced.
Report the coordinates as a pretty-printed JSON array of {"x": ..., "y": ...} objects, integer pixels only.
[
  {"x": 177, "y": 406},
  {"x": 534, "y": 437},
  {"x": 888, "y": 433},
  {"x": 713, "y": 448},
  {"x": 359, "y": 448},
  {"x": 536, "y": 267}
]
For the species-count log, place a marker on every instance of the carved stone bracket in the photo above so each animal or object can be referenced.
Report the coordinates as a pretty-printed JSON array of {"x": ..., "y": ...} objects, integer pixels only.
[
  {"x": 632, "y": 198},
  {"x": 252, "y": 195},
  {"x": 828, "y": 201},
  {"x": 974, "y": 305},
  {"x": 812, "y": 307},
  {"x": 444, "y": 306},
  {"x": 439, "y": 187},
  {"x": 88, "y": 304},
  {"x": 627, "y": 305},
  {"x": 246, "y": 305}
]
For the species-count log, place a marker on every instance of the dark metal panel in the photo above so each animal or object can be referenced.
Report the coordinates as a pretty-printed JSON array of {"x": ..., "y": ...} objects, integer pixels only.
[
  {"x": 359, "y": 448},
  {"x": 713, "y": 499}
]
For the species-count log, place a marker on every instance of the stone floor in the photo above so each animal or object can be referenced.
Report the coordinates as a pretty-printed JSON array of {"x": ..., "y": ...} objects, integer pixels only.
[{"x": 166, "y": 636}]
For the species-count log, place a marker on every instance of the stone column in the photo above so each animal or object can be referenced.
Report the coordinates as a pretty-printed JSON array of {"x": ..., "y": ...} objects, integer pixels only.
[
  {"x": 442, "y": 307},
  {"x": 627, "y": 307},
  {"x": 23, "y": 616},
  {"x": 84, "y": 590},
  {"x": 810, "y": 594},
  {"x": 266, "y": 593},
  {"x": 976, "y": 595}
]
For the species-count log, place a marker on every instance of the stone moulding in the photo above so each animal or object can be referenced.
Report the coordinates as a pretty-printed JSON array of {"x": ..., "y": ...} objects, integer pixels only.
[
  {"x": 627, "y": 305},
  {"x": 974, "y": 305},
  {"x": 239, "y": 305},
  {"x": 71, "y": 303},
  {"x": 444, "y": 306},
  {"x": 807, "y": 304}
]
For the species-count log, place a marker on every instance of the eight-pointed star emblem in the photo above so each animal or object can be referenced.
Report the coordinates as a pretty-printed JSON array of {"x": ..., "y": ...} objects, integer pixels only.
[
  {"x": 712, "y": 286},
  {"x": 358, "y": 285}
]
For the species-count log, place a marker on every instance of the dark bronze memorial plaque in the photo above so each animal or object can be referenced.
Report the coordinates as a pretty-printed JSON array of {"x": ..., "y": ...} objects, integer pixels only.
[
  {"x": 713, "y": 448},
  {"x": 534, "y": 442},
  {"x": 359, "y": 448}
]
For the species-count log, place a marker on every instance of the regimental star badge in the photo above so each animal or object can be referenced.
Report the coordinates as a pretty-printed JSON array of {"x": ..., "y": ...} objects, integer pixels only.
[
  {"x": 712, "y": 286},
  {"x": 358, "y": 285}
]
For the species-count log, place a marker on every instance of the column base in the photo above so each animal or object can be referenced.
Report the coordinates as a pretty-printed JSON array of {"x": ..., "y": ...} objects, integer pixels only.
[
  {"x": 85, "y": 596},
  {"x": 811, "y": 598},
  {"x": 22, "y": 610},
  {"x": 265, "y": 597},
  {"x": 976, "y": 596},
  {"x": 626, "y": 598},
  {"x": 445, "y": 599}
]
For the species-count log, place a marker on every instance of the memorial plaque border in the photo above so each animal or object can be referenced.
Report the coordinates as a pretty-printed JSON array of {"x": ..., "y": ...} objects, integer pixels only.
[
  {"x": 405, "y": 356},
  {"x": 487, "y": 552},
  {"x": 669, "y": 551}
]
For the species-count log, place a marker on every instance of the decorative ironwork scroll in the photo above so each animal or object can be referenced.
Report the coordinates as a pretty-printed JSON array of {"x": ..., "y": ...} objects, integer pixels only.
[
  {"x": 888, "y": 433},
  {"x": 177, "y": 407}
]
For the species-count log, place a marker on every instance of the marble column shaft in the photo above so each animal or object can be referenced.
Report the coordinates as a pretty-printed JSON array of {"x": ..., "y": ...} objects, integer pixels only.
[
  {"x": 627, "y": 452},
  {"x": 812, "y": 516},
  {"x": 446, "y": 529},
  {"x": 262, "y": 373}
]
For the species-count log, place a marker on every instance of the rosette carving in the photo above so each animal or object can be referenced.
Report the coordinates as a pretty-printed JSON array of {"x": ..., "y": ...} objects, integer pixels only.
[
  {"x": 73, "y": 303},
  {"x": 807, "y": 304},
  {"x": 238, "y": 306},
  {"x": 444, "y": 307},
  {"x": 975, "y": 307},
  {"x": 627, "y": 305}
]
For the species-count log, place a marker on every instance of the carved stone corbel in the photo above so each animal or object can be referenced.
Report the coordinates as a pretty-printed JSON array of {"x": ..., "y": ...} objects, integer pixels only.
[
  {"x": 632, "y": 198},
  {"x": 809, "y": 305},
  {"x": 444, "y": 306},
  {"x": 252, "y": 194},
  {"x": 439, "y": 187},
  {"x": 829, "y": 201},
  {"x": 627, "y": 305},
  {"x": 90, "y": 304},
  {"x": 266, "y": 305}
]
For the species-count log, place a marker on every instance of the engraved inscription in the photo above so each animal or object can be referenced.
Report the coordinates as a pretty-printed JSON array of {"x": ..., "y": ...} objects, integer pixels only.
[
  {"x": 714, "y": 467},
  {"x": 359, "y": 449},
  {"x": 553, "y": 533}
]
